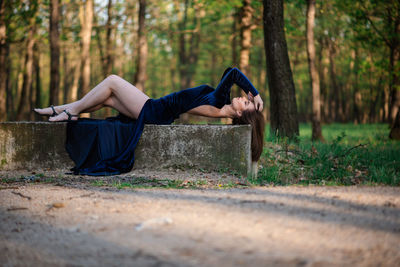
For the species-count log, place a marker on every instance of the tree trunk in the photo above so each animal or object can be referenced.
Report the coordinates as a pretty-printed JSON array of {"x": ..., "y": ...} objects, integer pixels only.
[
  {"x": 194, "y": 42},
  {"x": 284, "y": 121},
  {"x": 395, "y": 131},
  {"x": 189, "y": 45},
  {"x": 10, "y": 107},
  {"x": 235, "y": 23},
  {"x": 3, "y": 60},
  {"x": 394, "y": 67},
  {"x": 73, "y": 92},
  {"x": 35, "y": 85},
  {"x": 394, "y": 82},
  {"x": 335, "y": 104},
  {"x": 246, "y": 24},
  {"x": 141, "y": 63},
  {"x": 86, "y": 18},
  {"x": 109, "y": 42},
  {"x": 38, "y": 84},
  {"x": 322, "y": 78},
  {"x": 23, "y": 106},
  {"x": 316, "y": 105},
  {"x": 54, "y": 52},
  {"x": 182, "y": 47},
  {"x": 67, "y": 78},
  {"x": 357, "y": 101}
]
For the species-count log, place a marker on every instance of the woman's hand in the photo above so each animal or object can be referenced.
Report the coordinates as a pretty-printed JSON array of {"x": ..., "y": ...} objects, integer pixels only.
[{"x": 258, "y": 103}]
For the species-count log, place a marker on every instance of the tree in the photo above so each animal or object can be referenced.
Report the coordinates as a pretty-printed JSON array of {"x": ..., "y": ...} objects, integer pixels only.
[
  {"x": 141, "y": 63},
  {"x": 246, "y": 24},
  {"x": 23, "y": 106},
  {"x": 314, "y": 78},
  {"x": 380, "y": 20},
  {"x": 54, "y": 52},
  {"x": 109, "y": 58},
  {"x": 283, "y": 109},
  {"x": 86, "y": 18},
  {"x": 395, "y": 131},
  {"x": 3, "y": 60}
]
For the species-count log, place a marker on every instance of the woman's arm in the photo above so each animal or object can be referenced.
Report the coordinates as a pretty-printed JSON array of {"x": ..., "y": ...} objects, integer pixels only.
[
  {"x": 207, "y": 111},
  {"x": 235, "y": 76}
]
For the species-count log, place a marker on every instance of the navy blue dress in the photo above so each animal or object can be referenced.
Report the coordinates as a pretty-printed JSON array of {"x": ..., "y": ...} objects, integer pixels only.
[{"x": 106, "y": 147}]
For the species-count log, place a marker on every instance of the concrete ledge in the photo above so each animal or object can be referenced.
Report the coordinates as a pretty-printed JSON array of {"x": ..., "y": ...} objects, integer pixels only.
[{"x": 40, "y": 145}]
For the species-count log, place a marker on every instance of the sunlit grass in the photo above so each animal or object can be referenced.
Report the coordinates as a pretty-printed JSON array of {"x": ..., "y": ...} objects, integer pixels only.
[{"x": 351, "y": 154}]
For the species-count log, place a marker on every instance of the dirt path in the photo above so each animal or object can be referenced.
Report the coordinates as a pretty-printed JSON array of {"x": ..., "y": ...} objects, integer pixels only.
[{"x": 49, "y": 224}]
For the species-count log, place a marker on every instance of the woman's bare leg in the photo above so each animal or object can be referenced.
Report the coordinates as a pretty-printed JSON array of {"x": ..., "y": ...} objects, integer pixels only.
[
  {"x": 127, "y": 99},
  {"x": 111, "y": 102}
]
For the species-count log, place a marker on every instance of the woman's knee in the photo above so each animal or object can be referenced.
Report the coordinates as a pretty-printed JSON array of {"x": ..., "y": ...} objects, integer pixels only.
[
  {"x": 112, "y": 78},
  {"x": 113, "y": 81}
]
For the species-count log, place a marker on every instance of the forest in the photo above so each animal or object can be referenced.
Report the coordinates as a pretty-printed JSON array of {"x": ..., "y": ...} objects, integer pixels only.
[{"x": 55, "y": 51}]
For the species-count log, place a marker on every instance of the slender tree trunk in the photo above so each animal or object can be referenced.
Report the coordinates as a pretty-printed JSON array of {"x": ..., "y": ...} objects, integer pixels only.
[
  {"x": 36, "y": 63},
  {"x": 394, "y": 82},
  {"x": 54, "y": 52},
  {"x": 394, "y": 68},
  {"x": 86, "y": 18},
  {"x": 246, "y": 24},
  {"x": 34, "y": 85},
  {"x": 141, "y": 63},
  {"x": 109, "y": 42},
  {"x": 335, "y": 88},
  {"x": 284, "y": 121},
  {"x": 100, "y": 48},
  {"x": 182, "y": 46},
  {"x": 10, "y": 108},
  {"x": 73, "y": 92},
  {"x": 316, "y": 105},
  {"x": 23, "y": 106},
  {"x": 3, "y": 60},
  {"x": 386, "y": 98},
  {"x": 194, "y": 42},
  {"x": 67, "y": 77},
  {"x": 235, "y": 23},
  {"x": 173, "y": 66},
  {"x": 133, "y": 15},
  {"x": 357, "y": 101},
  {"x": 395, "y": 131},
  {"x": 322, "y": 70}
]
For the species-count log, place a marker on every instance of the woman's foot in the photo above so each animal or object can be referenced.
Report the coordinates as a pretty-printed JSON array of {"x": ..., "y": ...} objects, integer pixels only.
[
  {"x": 50, "y": 111},
  {"x": 66, "y": 115}
]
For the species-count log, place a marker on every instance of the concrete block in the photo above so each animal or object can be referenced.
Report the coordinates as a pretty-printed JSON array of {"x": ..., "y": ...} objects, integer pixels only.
[{"x": 40, "y": 145}]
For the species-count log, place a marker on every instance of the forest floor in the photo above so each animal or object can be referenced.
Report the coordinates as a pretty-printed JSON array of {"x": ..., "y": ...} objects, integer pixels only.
[{"x": 56, "y": 219}]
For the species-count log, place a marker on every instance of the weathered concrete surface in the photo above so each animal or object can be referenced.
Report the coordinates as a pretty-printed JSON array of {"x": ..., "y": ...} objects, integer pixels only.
[
  {"x": 210, "y": 147},
  {"x": 40, "y": 145}
]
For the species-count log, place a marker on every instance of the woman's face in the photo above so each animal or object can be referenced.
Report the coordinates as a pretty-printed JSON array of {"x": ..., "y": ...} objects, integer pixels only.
[{"x": 241, "y": 104}]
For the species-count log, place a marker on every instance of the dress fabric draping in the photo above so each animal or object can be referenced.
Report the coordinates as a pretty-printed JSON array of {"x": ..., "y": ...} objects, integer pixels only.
[{"x": 106, "y": 147}]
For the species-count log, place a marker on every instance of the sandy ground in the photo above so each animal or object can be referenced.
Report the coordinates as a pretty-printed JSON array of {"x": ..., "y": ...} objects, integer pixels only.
[{"x": 78, "y": 224}]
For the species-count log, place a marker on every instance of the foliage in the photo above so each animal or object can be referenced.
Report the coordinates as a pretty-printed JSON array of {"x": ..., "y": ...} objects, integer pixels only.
[{"x": 345, "y": 25}]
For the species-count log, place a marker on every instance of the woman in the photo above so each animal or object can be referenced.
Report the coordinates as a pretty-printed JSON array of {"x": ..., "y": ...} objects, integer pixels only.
[{"x": 106, "y": 147}]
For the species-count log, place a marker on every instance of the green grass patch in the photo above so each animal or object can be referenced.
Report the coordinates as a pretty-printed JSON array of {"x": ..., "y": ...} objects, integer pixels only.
[
  {"x": 352, "y": 154},
  {"x": 143, "y": 182}
]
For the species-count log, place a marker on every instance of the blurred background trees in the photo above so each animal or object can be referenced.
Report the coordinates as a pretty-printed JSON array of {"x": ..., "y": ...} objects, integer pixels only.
[{"x": 52, "y": 51}]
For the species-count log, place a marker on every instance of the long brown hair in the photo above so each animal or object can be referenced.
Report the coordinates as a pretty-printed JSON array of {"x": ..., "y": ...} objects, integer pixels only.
[{"x": 256, "y": 120}]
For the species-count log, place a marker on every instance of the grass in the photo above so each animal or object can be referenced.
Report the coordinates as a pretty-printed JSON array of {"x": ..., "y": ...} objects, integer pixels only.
[
  {"x": 352, "y": 154},
  {"x": 143, "y": 182}
]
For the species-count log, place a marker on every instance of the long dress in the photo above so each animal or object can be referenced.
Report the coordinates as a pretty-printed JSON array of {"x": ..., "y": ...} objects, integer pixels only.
[{"x": 106, "y": 147}]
